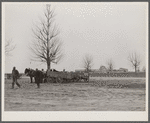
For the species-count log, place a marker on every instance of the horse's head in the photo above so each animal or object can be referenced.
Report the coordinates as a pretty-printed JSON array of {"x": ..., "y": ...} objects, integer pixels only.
[
  {"x": 32, "y": 72},
  {"x": 27, "y": 71}
]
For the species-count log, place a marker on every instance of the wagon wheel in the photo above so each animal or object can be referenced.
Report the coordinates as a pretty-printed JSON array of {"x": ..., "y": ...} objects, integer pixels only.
[
  {"x": 68, "y": 80},
  {"x": 78, "y": 79},
  {"x": 53, "y": 80},
  {"x": 48, "y": 79},
  {"x": 59, "y": 80},
  {"x": 45, "y": 80},
  {"x": 73, "y": 79},
  {"x": 86, "y": 80}
]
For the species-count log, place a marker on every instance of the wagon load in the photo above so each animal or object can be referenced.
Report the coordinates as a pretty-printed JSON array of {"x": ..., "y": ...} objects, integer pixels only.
[{"x": 61, "y": 76}]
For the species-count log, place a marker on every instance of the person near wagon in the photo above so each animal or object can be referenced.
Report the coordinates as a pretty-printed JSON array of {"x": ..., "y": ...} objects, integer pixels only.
[
  {"x": 15, "y": 76},
  {"x": 42, "y": 75},
  {"x": 37, "y": 77}
]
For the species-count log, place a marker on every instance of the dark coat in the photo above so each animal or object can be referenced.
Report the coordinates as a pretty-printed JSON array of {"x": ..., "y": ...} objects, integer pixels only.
[{"x": 15, "y": 73}]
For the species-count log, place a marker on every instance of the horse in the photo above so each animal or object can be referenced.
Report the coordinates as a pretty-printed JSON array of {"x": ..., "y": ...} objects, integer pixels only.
[{"x": 30, "y": 72}]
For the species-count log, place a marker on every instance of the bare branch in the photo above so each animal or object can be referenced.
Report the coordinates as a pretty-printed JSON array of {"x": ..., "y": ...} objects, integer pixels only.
[
  {"x": 9, "y": 47},
  {"x": 110, "y": 64},
  {"x": 134, "y": 59},
  {"x": 87, "y": 62},
  {"x": 47, "y": 47}
]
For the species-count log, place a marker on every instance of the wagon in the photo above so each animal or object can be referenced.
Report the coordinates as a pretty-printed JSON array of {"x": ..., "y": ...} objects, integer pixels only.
[{"x": 59, "y": 77}]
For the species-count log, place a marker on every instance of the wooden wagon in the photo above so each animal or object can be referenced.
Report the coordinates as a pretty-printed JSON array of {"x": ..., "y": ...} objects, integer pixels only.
[{"x": 59, "y": 77}]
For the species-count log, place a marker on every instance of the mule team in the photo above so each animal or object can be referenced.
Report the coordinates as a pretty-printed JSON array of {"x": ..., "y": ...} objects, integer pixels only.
[
  {"x": 41, "y": 76},
  {"x": 37, "y": 74}
]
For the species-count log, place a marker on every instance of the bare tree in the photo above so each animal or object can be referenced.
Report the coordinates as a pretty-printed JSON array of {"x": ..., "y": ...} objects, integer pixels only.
[
  {"x": 110, "y": 65},
  {"x": 135, "y": 61},
  {"x": 9, "y": 47},
  {"x": 87, "y": 64},
  {"x": 47, "y": 47}
]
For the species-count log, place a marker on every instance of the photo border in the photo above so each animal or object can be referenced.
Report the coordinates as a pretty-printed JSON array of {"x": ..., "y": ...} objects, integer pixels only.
[{"x": 37, "y": 115}]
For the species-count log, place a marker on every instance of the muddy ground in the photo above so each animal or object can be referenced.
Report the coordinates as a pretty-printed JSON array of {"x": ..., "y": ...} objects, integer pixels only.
[{"x": 98, "y": 95}]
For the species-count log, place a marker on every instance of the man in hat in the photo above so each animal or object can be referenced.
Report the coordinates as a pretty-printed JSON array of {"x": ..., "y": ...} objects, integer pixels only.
[
  {"x": 15, "y": 75},
  {"x": 37, "y": 77}
]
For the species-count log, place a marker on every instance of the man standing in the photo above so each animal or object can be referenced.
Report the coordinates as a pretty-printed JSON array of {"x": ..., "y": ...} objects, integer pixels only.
[
  {"x": 42, "y": 75},
  {"x": 37, "y": 77},
  {"x": 15, "y": 75}
]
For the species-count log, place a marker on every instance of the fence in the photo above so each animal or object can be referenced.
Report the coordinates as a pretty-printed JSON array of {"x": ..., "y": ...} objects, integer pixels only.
[{"x": 126, "y": 74}]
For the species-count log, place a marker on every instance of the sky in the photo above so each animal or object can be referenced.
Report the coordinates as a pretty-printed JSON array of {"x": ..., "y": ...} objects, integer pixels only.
[{"x": 105, "y": 30}]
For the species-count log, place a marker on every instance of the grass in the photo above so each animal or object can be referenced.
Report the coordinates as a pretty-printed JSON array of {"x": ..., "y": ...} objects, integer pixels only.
[{"x": 82, "y": 96}]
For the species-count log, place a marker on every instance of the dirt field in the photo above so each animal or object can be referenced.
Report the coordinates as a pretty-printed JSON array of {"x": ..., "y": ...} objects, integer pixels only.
[{"x": 98, "y": 95}]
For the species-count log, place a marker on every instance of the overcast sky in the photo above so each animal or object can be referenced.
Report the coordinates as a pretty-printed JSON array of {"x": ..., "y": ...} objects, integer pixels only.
[{"x": 103, "y": 30}]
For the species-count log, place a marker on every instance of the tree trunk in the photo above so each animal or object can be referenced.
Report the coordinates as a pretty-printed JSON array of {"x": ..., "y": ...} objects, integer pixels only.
[
  {"x": 88, "y": 76},
  {"x": 48, "y": 65},
  {"x": 135, "y": 69}
]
